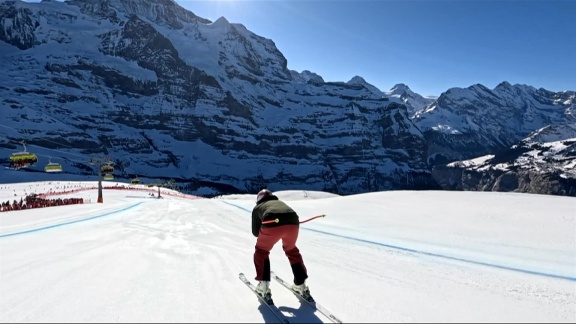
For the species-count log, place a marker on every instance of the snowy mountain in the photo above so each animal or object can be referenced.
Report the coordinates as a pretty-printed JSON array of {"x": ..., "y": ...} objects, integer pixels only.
[
  {"x": 171, "y": 95},
  {"x": 412, "y": 100},
  {"x": 544, "y": 163},
  {"x": 400, "y": 93},
  {"x": 306, "y": 76},
  {"x": 471, "y": 122}
]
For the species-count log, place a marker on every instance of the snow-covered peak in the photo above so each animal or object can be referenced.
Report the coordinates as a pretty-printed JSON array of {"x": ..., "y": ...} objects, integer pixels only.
[
  {"x": 400, "y": 89},
  {"x": 306, "y": 76},
  {"x": 504, "y": 84},
  {"x": 414, "y": 101},
  {"x": 358, "y": 80},
  {"x": 479, "y": 88},
  {"x": 497, "y": 117},
  {"x": 221, "y": 23}
]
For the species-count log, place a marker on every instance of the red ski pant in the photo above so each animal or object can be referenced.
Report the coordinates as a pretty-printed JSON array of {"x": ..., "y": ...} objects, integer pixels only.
[{"x": 267, "y": 238}]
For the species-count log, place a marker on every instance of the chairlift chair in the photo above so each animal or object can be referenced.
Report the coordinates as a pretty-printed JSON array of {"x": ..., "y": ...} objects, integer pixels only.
[
  {"x": 107, "y": 169},
  {"x": 22, "y": 159},
  {"x": 52, "y": 166}
]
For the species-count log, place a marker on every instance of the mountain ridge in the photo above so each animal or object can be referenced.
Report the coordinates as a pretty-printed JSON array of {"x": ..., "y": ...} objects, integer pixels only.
[{"x": 173, "y": 95}]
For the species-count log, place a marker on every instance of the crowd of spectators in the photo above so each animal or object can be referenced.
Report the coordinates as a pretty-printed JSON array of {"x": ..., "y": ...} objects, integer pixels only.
[{"x": 35, "y": 201}]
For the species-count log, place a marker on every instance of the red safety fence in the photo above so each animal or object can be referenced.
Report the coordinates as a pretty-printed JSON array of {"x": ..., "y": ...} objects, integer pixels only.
[{"x": 41, "y": 200}]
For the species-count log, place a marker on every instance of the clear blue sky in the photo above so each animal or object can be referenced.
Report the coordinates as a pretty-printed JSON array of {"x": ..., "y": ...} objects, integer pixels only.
[{"x": 429, "y": 45}]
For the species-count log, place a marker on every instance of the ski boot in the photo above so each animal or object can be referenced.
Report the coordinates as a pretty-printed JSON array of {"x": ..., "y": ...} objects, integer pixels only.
[
  {"x": 263, "y": 289},
  {"x": 303, "y": 291}
]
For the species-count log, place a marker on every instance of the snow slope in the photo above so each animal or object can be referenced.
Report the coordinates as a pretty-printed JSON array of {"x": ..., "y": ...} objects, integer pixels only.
[{"x": 395, "y": 256}]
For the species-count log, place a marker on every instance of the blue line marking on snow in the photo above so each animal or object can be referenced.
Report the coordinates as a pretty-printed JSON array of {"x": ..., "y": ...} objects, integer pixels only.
[
  {"x": 231, "y": 204},
  {"x": 430, "y": 253},
  {"x": 70, "y": 222},
  {"x": 445, "y": 256}
]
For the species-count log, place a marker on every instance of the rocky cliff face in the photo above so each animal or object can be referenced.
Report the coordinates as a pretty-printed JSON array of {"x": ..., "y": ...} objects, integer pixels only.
[
  {"x": 465, "y": 123},
  {"x": 168, "y": 94},
  {"x": 547, "y": 167},
  {"x": 527, "y": 181}
]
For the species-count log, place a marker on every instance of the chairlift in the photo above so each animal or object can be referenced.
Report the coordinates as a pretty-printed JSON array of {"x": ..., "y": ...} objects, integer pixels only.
[
  {"x": 52, "y": 166},
  {"x": 22, "y": 159},
  {"x": 108, "y": 168},
  {"x": 108, "y": 176},
  {"x": 135, "y": 181}
]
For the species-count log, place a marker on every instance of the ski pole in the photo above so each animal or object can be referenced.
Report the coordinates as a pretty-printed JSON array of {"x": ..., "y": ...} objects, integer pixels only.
[
  {"x": 311, "y": 218},
  {"x": 277, "y": 220}
]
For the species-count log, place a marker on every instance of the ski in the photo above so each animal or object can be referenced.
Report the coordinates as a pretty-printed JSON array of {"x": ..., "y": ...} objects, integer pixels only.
[
  {"x": 266, "y": 301},
  {"x": 307, "y": 299}
]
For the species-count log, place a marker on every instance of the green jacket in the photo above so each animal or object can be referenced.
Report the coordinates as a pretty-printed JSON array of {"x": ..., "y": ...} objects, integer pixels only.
[{"x": 271, "y": 208}]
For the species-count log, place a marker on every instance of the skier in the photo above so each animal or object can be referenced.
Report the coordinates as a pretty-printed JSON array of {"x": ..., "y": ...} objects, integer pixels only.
[{"x": 272, "y": 221}]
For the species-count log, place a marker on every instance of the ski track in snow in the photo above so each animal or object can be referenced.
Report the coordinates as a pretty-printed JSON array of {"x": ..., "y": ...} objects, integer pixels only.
[{"x": 177, "y": 260}]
